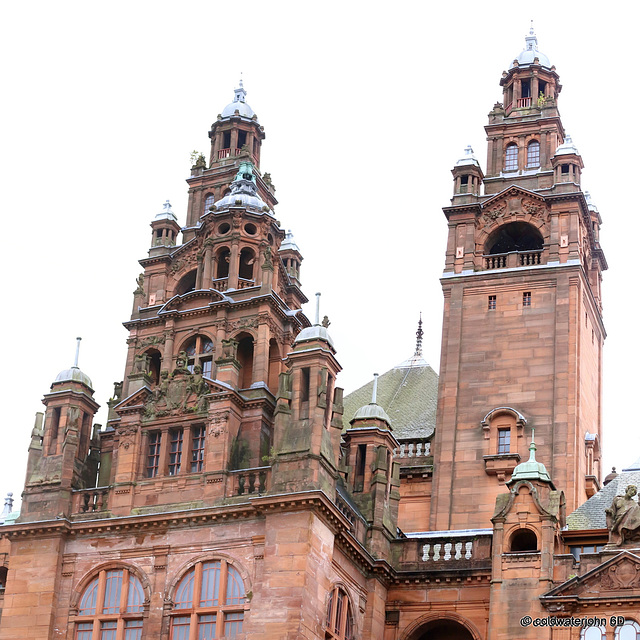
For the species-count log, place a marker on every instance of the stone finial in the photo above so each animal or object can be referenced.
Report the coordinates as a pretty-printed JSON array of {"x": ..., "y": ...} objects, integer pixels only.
[
  {"x": 317, "y": 308},
  {"x": 374, "y": 392}
]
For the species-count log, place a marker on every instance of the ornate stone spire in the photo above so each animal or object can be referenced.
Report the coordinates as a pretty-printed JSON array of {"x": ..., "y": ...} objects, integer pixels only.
[{"x": 419, "y": 334}]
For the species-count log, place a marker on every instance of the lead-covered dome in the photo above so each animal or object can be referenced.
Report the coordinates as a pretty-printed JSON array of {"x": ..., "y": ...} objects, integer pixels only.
[
  {"x": 74, "y": 374},
  {"x": 530, "y": 53},
  {"x": 239, "y": 104}
]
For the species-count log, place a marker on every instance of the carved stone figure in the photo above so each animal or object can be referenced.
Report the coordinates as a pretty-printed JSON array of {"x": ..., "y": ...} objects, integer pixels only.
[
  {"x": 140, "y": 282},
  {"x": 623, "y": 518},
  {"x": 268, "y": 262},
  {"x": 325, "y": 322}
]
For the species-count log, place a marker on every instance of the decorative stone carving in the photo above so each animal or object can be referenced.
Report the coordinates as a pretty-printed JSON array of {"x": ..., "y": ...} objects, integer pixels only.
[
  {"x": 140, "y": 288},
  {"x": 325, "y": 322},
  {"x": 268, "y": 259},
  {"x": 243, "y": 323},
  {"x": 494, "y": 214},
  {"x": 218, "y": 423},
  {"x": 623, "y": 518},
  {"x": 533, "y": 208},
  {"x": 151, "y": 341},
  {"x": 625, "y": 575},
  {"x": 229, "y": 349},
  {"x": 179, "y": 392}
]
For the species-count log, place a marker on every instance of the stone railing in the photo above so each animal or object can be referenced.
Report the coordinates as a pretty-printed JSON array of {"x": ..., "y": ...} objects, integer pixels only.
[
  {"x": 513, "y": 259},
  {"x": 90, "y": 500},
  {"x": 243, "y": 283},
  {"x": 250, "y": 481},
  {"x": 220, "y": 284},
  {"x": 463, "y": 547},
  {"x": 412, "y": 449}
]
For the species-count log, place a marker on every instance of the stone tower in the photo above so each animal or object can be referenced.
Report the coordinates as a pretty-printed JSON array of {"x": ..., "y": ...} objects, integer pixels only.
[{"x": 523, "y": 333}]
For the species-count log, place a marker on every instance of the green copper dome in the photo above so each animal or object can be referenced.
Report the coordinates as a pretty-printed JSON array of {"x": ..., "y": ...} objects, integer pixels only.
[{"x": 531, "y": 469}]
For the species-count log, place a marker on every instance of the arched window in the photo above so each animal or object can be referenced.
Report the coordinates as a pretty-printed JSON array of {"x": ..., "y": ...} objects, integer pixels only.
[
  {"x": 200, "y": 351},
  {"x": 511, "y": 157},
  {"x": 208, "y": 202},
  {"x": 533, "y": 154},
  {"x": 187, "y": 283},
  {"x": 111, "y": 607},
  {"x": 245, "y": 358},
  {"x": 222, "y": 262},
  {"x": 247, "y": 260},
  {"x": 630, "y": 630},
  {"x": 210, "y": 600},
  {"x": 524, "y": 541},
  {"x": 339, "y": 623},
  {"x": 593, "y": 633}
]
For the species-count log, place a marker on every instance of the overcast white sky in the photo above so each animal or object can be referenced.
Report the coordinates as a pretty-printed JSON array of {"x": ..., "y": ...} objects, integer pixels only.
[{"x": 366, "y": 107}]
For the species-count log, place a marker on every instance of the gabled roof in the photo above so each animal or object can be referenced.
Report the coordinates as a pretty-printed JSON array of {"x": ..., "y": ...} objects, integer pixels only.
[{"x": 408, "y": 393}]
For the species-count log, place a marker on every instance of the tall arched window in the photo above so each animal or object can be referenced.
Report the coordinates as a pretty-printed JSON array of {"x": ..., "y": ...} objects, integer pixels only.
[
  {"x": 533, "y": 154},
  {"x": 593, "y": 633},
  {"x": 209, "y": 600},
  {"x": 111, "y": 607},
  {"x": 511, "y": 157},
  {"x": 339, "y": 623},
  {"x": 200, "y": 351}
]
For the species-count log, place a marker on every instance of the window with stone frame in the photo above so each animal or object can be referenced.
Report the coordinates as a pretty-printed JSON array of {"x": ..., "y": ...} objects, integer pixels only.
[
  {"x": 197, "y": 448},
  {"x": 175, "y": 451},
  {"x": 630, "y": 630},
  {"x": 208, "y": 202},
  {"x": 511, "y": 157},
  {"x": 111, "y": 607},
  {"x": 594, "y": 633},
  {"x": 504, "y": 440},
  {"x": 199, "y": 351},
  {"x": 339, "y": 623},
  {"x": 209, "y": 602},
  {"x": 533, "y": 154},
  {"x": 153, "y": 454}
]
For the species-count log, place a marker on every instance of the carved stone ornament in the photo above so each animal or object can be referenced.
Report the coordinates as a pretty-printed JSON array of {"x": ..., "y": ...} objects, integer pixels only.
[
  {"x": 218, "y": 423},
  {"x": 623, "y": 518},
  {"x": 494, "y": 214},
  {"x": 533, "y": 208},
  {"x": 127, "y": 436},
  {"x": 625, "y": 575},
  {"x": 178, "y": 393},
  {"x": 243, "y": 323},
  {"x": 151, "y": 341}
]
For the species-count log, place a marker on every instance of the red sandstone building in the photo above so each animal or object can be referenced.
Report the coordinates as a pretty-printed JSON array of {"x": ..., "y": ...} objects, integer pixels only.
[{"x": 234, "y": 493}]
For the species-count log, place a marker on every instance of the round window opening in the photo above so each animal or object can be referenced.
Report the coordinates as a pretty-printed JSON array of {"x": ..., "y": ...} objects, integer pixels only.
[
  {"x": 251, "y": 229},
  {"x": 224, "y": 228}
]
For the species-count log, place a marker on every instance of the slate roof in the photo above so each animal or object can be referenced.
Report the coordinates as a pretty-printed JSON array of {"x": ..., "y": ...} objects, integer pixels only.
[
  {"x": 408, "y": 393},
  {"x": 591, "y": 515}
]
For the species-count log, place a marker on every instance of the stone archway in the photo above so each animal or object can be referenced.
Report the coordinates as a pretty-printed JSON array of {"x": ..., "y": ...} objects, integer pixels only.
[{"x": 442, "y": 629}]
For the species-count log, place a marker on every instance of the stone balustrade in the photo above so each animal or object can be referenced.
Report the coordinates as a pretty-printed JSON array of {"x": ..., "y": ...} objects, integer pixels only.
[
  {"x": 250, "y": 481},
  {"x": 412, "y": 449},
  {"x": 90, "y": 500}
]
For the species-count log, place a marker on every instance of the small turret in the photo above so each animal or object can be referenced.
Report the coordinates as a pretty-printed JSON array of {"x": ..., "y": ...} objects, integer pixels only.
[
  {"x": 165, "y": 228},
  {"x": 373, "y": 477},
  {"x": 567, "y": 164},
  {"x": 467, "y": 178},
  {"x": 63, "y": 454}
]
